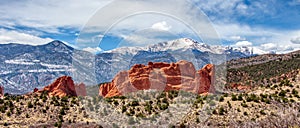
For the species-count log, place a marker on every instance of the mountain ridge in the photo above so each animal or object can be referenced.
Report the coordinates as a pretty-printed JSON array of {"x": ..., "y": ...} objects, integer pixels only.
[{"x": 25, "y": 67}]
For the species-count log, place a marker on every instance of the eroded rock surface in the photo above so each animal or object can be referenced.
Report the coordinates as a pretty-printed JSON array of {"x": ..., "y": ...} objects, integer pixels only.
[{"x": 161, "y": 76}]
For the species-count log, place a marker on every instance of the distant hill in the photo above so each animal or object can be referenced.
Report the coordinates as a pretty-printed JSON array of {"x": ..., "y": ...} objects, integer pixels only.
[{"x": 264, "y": 69}]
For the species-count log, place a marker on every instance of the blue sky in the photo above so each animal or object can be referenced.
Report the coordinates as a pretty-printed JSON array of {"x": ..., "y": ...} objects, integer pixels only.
[{"x": 272, "y": 25}]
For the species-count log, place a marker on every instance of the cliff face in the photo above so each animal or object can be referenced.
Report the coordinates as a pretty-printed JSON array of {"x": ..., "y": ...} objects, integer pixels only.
[
  {"x": 64, "y": 86},
  {"x": 161, "y": 76},
  {"x": 80, "y": 89}
]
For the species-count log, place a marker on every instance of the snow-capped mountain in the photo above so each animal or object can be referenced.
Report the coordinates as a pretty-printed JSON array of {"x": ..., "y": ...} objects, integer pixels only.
[
  {"x": 172, "y": 51},
  {"x": 25, "y": 67},
  {"x": 182, "y": 44}
]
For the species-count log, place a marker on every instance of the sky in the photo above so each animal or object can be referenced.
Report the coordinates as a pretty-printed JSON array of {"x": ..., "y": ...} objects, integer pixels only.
[{"x": 97, "y": 25}]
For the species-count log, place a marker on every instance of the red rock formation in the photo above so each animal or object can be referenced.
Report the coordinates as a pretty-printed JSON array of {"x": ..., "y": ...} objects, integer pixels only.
[
  {"x": 35, "y": 90},
  {"x": 80, "y": 89},
  {"x": 1, "y": 91},
  {"x": 161, "y": 76},
  {"x": 63, "y": 86}
]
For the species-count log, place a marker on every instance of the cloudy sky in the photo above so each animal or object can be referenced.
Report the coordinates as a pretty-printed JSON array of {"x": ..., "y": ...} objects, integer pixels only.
[{"x": 272, "y": 25}]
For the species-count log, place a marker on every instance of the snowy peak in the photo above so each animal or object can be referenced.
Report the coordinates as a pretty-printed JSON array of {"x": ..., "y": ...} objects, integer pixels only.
[{"x": 182, "y": 44}]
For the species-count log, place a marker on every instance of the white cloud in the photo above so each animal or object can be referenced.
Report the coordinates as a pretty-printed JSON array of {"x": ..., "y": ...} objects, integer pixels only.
[
  {"x": 296, "y": 40},
  {"x": 279, "y": 48},
  {"x": 269, "y": 46},
  {"x": 146, "y": 37},
  {"x": 48, "y": 15},
  {"x": 243, "y": 43},
  {"x": 151, "y": 13},
  {"x": 7, "y": 36},
  {"x": 228, "y": 31},
  {"x": 237, "y": 38},
  {"x": 262, "y": 38},
  {"x": 161, "y": 26},
  {"x": 93, "y": 50}
]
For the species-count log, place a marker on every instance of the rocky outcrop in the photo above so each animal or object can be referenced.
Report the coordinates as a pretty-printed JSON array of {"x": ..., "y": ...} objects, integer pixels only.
[
  {"x": 1, "y": 91},
  {"x": 64, "y": 86},
  {"x": 80, "y": 89},
  {"x": 35, "y": 90},
  {"x": 161, "y": 76}
]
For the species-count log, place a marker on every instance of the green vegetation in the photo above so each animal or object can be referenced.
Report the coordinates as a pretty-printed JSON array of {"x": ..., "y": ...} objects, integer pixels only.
[{"x": 264, "y": 71}]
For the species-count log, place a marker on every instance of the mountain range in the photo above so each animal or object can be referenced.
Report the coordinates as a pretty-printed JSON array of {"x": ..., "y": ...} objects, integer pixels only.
[{"x": 25, "y": 67}]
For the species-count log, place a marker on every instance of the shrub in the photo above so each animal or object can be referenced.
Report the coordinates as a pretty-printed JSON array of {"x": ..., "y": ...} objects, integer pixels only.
[
  {"x": 282, "y": 93},
  {"x": 163, "y": 107},
  {"x": 116, "y": 103},
  {"x": 292, "y": 100},
  {"x": 229, "y": 104},
  {"x": 65, "y": 99},
  {"x": 165, "y": 100},
  {"x": 131, "y": 111},
  {"x": 62, "y": 111},
  {"x": 285, "y": 100},
  {"x": 55, "y": 124},
  {"x": 124, "y": 109},
  {"x": 221, "y": 99},
  {"x": 252, "y": 97},
  {"x": 233, "y": 97},
  {"x": 221, "y": 111},
  {"x": 58, "y": 124},
  {"x": 262, "y": 112},
  {"x": 240, "y": 97},
  {"x": 29, "y": 105},
  {"x": 215, "y": 112},
  {"x": 268, "y": 101},
  {"x": 294, "y": 92},
  {"x": 8, "y": 114},
  {"x": 140, "y": 115},
  {"x": 226, "y": 95}
]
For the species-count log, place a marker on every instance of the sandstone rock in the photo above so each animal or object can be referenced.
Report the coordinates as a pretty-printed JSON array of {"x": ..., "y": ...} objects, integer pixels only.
[
  {"x": 35, "y": 90},
  {"x": 80, "y": 89},
  {"x": 63, "y": 86},
  {"x": 161, "y": 76}
]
